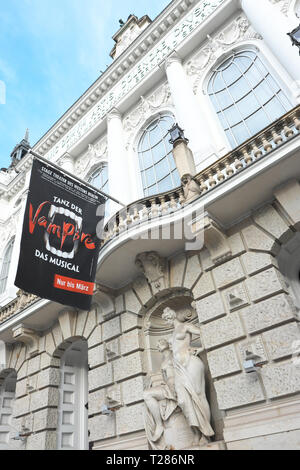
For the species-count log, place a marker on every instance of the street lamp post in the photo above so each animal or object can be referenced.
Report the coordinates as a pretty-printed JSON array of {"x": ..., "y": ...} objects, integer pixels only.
[
  {"x": 177, "y": 134},
  {"x": 295, "y": 37}
]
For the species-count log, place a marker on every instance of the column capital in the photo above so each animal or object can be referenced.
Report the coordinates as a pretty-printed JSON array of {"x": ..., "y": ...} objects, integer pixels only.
[
  {"x": 65, "y": 158},
  {"x": 171, "y": 59},
  {"x": 114, "y": 113}
]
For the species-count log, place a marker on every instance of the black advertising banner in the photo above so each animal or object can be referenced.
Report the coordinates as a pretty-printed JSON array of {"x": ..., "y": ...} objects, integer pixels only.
[{"x": 60, "y": 246}]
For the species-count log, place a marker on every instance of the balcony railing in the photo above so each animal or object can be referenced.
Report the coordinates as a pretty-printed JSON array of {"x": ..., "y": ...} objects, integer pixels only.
[
  {"x": 22, "y": 301},
  {"x": 247, "y": 154},
  {"x": 260, "y": 146}
]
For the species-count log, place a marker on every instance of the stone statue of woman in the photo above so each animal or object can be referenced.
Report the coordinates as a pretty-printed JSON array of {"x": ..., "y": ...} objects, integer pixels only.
[
  {"x": 160, "y": 400},
  {"x": 190, "y": 378}
]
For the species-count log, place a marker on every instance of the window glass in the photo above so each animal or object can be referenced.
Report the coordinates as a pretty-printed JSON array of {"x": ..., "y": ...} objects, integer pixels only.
[
  {"x": 99, "y": 178},
  {"x": 5, "y": 266},
  {"x": 245, "y": 96},
  {"x": 157, "y": 165}
]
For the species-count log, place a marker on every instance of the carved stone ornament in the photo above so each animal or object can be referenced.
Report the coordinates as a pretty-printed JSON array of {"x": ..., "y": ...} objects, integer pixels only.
[
  {"x": 24, "y": 299},
  {"x": 64, "y": 159},
  {"x": 27, "y": 336},
  {"x": 284, "y": 5},
  {"x": 144, "y": 110},
  {"x": 153, "y": 267},
  {"x": 177, "y": 413},
  {"x": 239, "y": 30},
  {"x": 191, "y": 188},
  {"x": 95, "y": 156}
]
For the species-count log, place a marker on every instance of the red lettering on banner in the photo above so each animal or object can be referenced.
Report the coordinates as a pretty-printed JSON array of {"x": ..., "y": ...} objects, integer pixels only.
[
  {"x": 68, "y": 231},
  {"x": 32, "y": 221}
]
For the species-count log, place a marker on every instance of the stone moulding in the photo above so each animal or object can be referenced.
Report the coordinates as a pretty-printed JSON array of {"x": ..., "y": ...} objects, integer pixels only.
[
  {"x": 230, "y": 166},
  {"x": 95, "y": 109},
  {"x": 27, "y": 336},
  {"x": 215, "y": 238},
  {"x": 153, "y": 267}
]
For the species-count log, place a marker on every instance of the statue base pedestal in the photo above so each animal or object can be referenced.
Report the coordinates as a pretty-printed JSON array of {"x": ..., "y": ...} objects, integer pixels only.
[
  {"x": 219, "y": 445},
  {"x": 177, "y": 435}
]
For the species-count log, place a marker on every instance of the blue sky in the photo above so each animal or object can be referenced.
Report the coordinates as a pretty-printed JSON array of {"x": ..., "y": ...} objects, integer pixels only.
[{"x": 51, "y": 51}]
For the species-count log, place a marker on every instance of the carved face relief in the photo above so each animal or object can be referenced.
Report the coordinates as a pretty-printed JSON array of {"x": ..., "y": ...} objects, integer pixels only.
[
  {"x": 169, "y": 315},
  {"x": 153, "y": 267}
]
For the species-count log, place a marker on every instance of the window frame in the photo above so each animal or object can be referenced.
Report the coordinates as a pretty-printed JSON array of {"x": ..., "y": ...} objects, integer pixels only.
[
  {"x": 271, "y": 75},
  {"x": 4, "y": 276},
  {"x": 147, "y": 185},
  {"x": 97, "y": 171}
]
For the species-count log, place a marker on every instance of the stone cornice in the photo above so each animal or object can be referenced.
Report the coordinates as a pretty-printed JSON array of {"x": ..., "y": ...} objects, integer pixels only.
[
  {"x": 94, "y": 106},
  {"x": 163, "y": 24},
  {"x": 113, "y": 113},
  {"x": 8, "y": 190}
]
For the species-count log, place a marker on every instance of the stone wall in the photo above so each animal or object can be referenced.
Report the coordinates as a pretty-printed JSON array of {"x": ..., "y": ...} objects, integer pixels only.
[
  {"x": 117, "y": 370},
  {"x": 38, "y": 379},
  {"x": 243, "y": 303}
]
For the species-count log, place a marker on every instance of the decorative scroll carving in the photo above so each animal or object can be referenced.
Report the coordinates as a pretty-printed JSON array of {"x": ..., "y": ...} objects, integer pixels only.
[
  {"x": 153, "y": 267},
  {"x": 145, "y": 109},
  {"x": 65, "y": 159},
  {"x": 239, "y": 30},
  {"x": 284, "y": 5},
  {"x": 24, "y": 300},
  {"x": 95, "y": 155}
]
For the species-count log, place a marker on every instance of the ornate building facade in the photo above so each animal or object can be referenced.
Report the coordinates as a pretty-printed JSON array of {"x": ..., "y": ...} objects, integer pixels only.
[{"x": 193, "y": 339}]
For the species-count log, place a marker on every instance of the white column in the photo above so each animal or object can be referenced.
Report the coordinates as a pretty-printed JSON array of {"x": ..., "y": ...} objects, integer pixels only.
[
  {"x": 273, "y": 26},
  {"x": 118, "y": 168},
  {"x": 189, "y": 115}
]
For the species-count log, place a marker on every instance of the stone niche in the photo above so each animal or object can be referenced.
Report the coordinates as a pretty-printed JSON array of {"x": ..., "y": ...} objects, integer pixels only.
[{"x": 177, "y": 432}]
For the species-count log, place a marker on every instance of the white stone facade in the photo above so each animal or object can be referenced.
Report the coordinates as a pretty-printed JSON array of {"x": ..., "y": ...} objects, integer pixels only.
[{"x": 241, "y": 285}]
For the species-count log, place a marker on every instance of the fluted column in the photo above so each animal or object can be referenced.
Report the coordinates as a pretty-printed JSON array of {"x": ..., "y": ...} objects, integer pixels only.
[
  {"x": 273, "y": 26},
  {"x": 118, "y": 168},
  {"x": 188, "y": 113}
]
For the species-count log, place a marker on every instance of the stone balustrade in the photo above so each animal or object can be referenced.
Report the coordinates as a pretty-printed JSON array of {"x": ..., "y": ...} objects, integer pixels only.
[
  {"x": 247, "y": 154},
  {"x": 256, "y": 148},
  {"x": 8, "y": 310},
  {"x": 22, "y": 301}
]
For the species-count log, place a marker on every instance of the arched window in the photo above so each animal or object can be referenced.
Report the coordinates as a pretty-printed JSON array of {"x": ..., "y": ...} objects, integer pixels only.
[
  {"x": 246, "y": 96},
  {"x": 5, "y": 266},
  {"x": 158, "y": 169},
  {"x": 99, "y": 178}
]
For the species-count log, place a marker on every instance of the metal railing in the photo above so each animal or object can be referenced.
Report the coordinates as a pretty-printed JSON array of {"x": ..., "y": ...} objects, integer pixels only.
[{"x": 247, "y": 154}]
